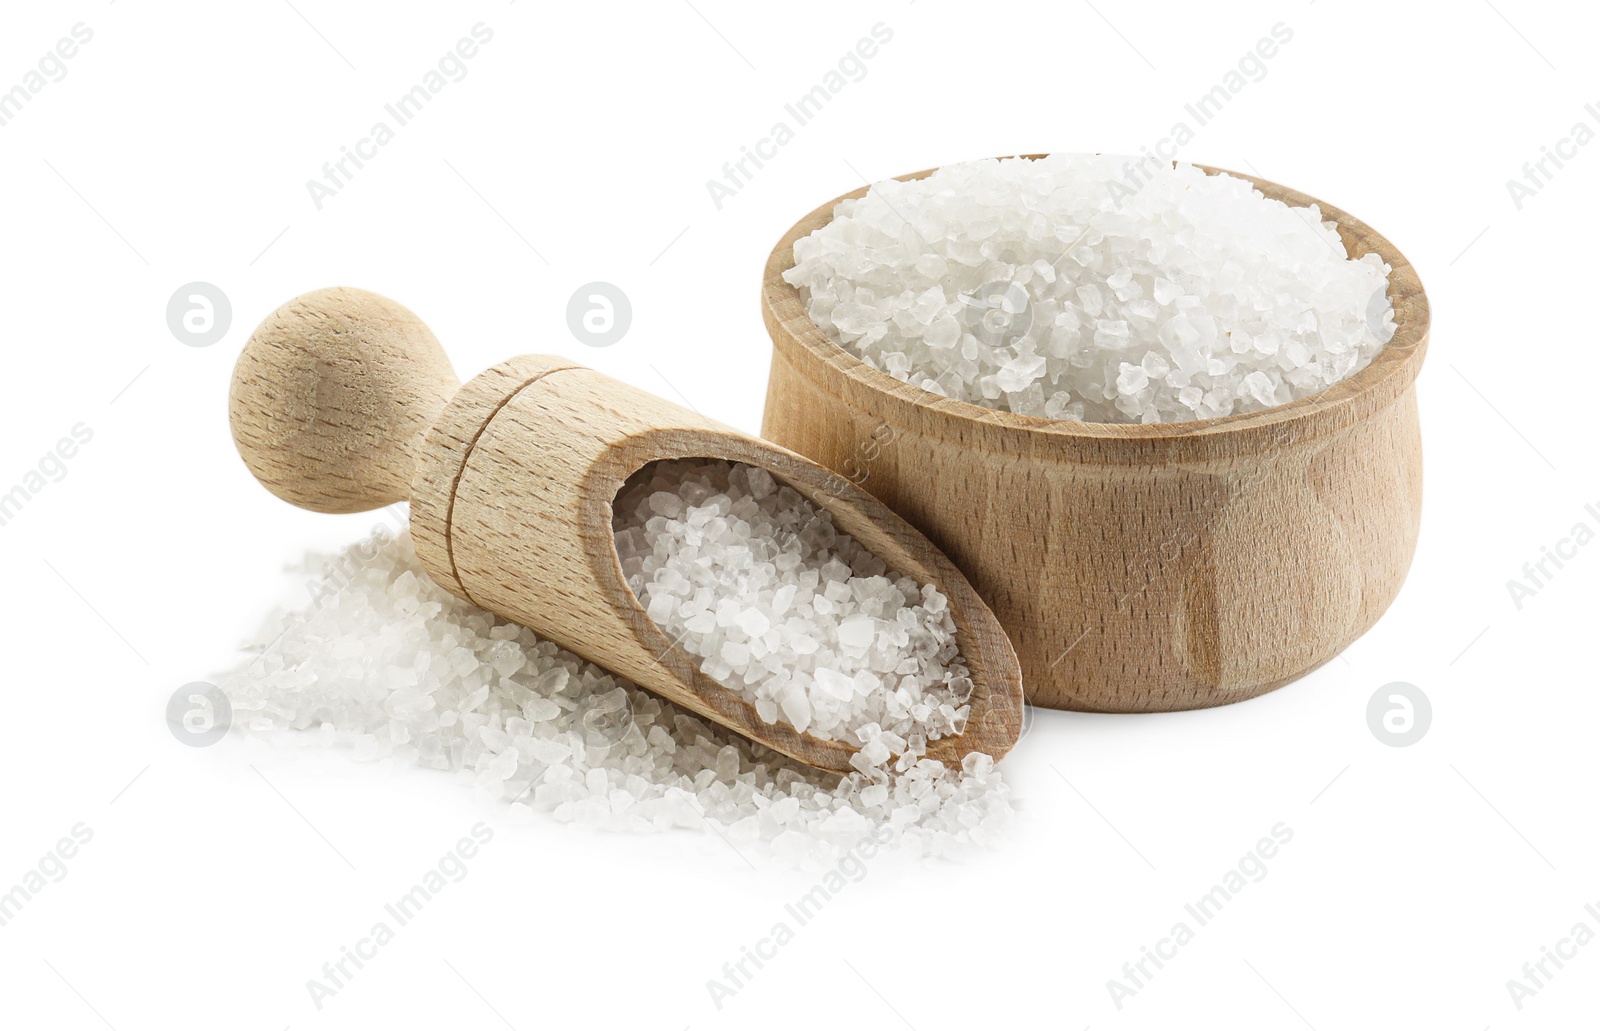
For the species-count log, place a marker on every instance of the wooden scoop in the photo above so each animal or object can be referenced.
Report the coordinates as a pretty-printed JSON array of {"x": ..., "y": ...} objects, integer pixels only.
[{"x": 343, "y": 401}]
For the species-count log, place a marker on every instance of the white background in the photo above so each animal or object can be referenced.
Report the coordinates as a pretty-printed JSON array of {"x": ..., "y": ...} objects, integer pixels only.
[{"x": 1419, "y": 879}]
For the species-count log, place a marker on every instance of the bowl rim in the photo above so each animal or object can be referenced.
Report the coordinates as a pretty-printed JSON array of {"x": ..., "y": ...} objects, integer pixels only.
[{"x": 1385, "y": 378}]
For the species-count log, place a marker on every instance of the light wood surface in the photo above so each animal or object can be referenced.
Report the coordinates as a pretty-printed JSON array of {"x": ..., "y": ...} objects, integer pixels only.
[
  {"x": 1144, "y": 567},
  {"x": 511, "y": 509},
  {"x": 331, "y": 397}
]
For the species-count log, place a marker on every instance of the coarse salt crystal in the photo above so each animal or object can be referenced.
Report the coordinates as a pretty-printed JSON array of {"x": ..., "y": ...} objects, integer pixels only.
[
  {"x": 378, "y": 666},
  {"x": 1245, "y": 302}
]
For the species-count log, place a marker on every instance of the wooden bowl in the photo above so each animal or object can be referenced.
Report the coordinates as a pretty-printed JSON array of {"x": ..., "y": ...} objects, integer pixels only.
[{"x": 1137, "y": 568}]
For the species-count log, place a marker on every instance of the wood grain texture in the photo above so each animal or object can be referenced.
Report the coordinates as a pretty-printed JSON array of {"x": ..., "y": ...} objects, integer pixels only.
[
  {"x": 331, "y": 396},
  {"x": 513, "y": 512},
  {"x": 1145, "y": 567}
]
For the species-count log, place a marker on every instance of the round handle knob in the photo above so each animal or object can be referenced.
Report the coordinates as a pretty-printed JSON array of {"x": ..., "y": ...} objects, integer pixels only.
[{"x": 332, "y": 396}]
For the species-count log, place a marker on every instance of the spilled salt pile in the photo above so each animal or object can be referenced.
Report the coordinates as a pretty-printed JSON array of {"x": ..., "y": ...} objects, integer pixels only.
[
  {"x": 1060, "y": 287},
  {"x": 387, "y": 664},
  {"x": 781, "y": 608}
]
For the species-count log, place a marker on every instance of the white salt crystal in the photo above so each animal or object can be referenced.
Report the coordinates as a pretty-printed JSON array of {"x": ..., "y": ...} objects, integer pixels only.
[
  {"x": 541, "y": 710},
  {"x": 351, "y": 669},
  {"x": 1154, "y": 366},
  {"x": 1200, "y": 272},
  {"x": 665, "y": 504},
  {"x": 796, "y": 705},
  {"x": 830, "y": 602},
  {"x": 977, "y": 764},
  {"x": 759, "y": 481},
  {"x": 1132, "y": 379},
  {"x": 928, "y": 304},
  {"x": 856, "y": 633},
  {"x": 661, "y": 606},
  {"x": 944, "y": 332},
  {"x": 875, "y": 752},
  {"x": 1259, "y": 387},
  {"x": 1019, "y": 372},
  {"x": 835, "y": 684},
  {"x": 504, "y": 765}
]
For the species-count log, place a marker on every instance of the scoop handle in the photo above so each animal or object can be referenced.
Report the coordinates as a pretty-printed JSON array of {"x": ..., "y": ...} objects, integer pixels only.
[{"x": 331, "y": 397}]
